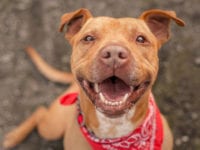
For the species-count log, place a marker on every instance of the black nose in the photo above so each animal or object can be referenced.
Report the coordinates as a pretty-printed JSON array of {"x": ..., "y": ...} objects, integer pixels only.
[{"x": 114, "y": 56}]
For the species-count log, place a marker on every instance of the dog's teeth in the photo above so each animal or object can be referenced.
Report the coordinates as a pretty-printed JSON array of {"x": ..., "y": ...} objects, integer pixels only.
[
  {"x": 110, "y": 103},
  {"x": 102, "y": 97},
  {"x": 117, "y": 103},
  {"x": 125, "y": 97},
  {"x": 85, "y": 83},
  {"x": 106, "y": 102},
  {"x": 96, "y": 87},
  {"x": 132, "y": 88},
  {"x": 120, "y": 102}
]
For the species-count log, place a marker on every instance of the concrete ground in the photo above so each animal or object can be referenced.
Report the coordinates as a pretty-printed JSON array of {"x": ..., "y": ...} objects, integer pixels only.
[{"x": 35, "y": 22}]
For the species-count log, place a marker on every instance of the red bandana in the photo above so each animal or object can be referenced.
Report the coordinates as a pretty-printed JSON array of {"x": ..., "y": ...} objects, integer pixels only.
[{"x": 148, "y": 136}]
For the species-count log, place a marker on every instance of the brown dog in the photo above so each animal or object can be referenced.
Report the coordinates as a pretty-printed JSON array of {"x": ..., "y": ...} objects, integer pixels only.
[{"x": 114, "y": 63}]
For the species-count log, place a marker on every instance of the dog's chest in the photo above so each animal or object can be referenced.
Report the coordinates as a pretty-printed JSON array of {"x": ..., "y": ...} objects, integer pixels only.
[
  {"x": 121, "y": 134},
  {"x": 117, "y": 133},
  {"x": 115, "y": 127}
]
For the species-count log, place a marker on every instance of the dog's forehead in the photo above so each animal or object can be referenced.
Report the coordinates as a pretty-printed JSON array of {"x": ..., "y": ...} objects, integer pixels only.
[{"x": 110, "y": 24}]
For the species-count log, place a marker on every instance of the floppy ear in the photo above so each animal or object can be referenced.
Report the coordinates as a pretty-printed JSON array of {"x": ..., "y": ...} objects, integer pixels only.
[
  {"x": 74, "y": 21},
  {"x": 159, "y": 22}
]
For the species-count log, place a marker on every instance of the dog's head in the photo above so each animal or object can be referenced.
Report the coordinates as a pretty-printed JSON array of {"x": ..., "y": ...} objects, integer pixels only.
[{"x": 114, "y": 60}]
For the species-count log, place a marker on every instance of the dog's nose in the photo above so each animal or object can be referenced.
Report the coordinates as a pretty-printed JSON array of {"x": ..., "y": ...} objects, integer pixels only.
[{"x": 114, "y": 55}]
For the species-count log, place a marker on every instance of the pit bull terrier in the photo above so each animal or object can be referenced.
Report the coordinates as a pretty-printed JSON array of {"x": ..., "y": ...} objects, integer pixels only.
[{"x": 109, "y": 105}]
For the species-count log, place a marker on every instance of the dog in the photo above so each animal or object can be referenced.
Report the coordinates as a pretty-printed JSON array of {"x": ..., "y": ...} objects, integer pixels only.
[{"x": 109, "y": 105}]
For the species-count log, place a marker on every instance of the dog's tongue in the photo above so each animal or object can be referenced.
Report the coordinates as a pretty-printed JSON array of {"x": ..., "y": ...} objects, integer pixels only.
[{"x": 114, "y": 89}]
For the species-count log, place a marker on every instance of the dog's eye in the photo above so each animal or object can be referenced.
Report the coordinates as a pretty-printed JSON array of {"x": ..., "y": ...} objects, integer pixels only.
[
  {"x": 88, "y": 38},
  {"x": 141, "y": 39}
]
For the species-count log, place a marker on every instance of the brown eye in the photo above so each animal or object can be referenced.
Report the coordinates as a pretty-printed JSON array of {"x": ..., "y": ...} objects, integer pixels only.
[
  {"x": 141, "y": 39},
  {"x": 88, "y": 38}
]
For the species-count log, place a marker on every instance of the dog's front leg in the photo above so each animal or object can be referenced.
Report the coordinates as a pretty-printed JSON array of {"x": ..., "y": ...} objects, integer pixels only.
[{"x": 51, "y": 123}]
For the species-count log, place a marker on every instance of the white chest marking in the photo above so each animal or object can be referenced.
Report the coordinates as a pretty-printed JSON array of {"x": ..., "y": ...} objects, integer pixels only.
[{"x": 115, "y": 127}]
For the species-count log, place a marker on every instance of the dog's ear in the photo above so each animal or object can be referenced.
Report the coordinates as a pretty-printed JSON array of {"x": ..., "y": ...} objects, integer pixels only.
[
  {"x": 159, "y": 22},
  {"x": 74, "y": 21}
]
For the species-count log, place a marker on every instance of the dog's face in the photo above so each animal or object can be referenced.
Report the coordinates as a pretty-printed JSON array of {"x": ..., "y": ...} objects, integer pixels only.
[
  {"x": 107, "y": 56},
  {"x": 115, "y": 60}
]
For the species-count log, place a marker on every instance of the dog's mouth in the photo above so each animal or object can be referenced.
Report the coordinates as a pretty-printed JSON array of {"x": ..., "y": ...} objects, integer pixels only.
[{"x": 113, "y": 96}]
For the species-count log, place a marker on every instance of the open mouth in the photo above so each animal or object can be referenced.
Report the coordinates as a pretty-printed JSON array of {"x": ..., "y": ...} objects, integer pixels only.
[{"x": 113, "y": 96}]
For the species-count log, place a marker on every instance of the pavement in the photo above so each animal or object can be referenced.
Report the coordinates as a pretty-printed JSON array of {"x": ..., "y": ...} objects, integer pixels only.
[{"x": 35, "y": 22}]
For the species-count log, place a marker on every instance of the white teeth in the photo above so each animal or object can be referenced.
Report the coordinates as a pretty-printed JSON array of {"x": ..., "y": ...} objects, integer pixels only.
[
  {"x": 131, "y": 87},
  {"x": 96, "y": 87},
  {"x": 103, "y": 99},
  {"x": 125, "y": 97},
  {"x": 85, "y": 83}
]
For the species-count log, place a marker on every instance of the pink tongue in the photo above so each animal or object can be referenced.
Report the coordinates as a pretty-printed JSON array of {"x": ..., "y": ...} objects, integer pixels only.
[{"x": 114, "y": 88}]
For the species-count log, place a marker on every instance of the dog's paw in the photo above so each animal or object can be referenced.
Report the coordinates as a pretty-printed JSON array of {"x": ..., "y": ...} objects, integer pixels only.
[{"x": 11, "y": 139}]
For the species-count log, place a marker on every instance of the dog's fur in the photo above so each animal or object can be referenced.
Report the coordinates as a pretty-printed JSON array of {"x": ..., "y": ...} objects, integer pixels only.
[{"x": 103, "y": 47}]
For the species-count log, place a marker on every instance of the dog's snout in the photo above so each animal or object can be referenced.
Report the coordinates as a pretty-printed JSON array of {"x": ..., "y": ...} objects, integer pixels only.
[{"x": 114, "y": 56}]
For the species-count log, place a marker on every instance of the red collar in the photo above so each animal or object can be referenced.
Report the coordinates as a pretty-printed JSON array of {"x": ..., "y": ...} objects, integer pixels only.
[{"x": 148, "y": 136}]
